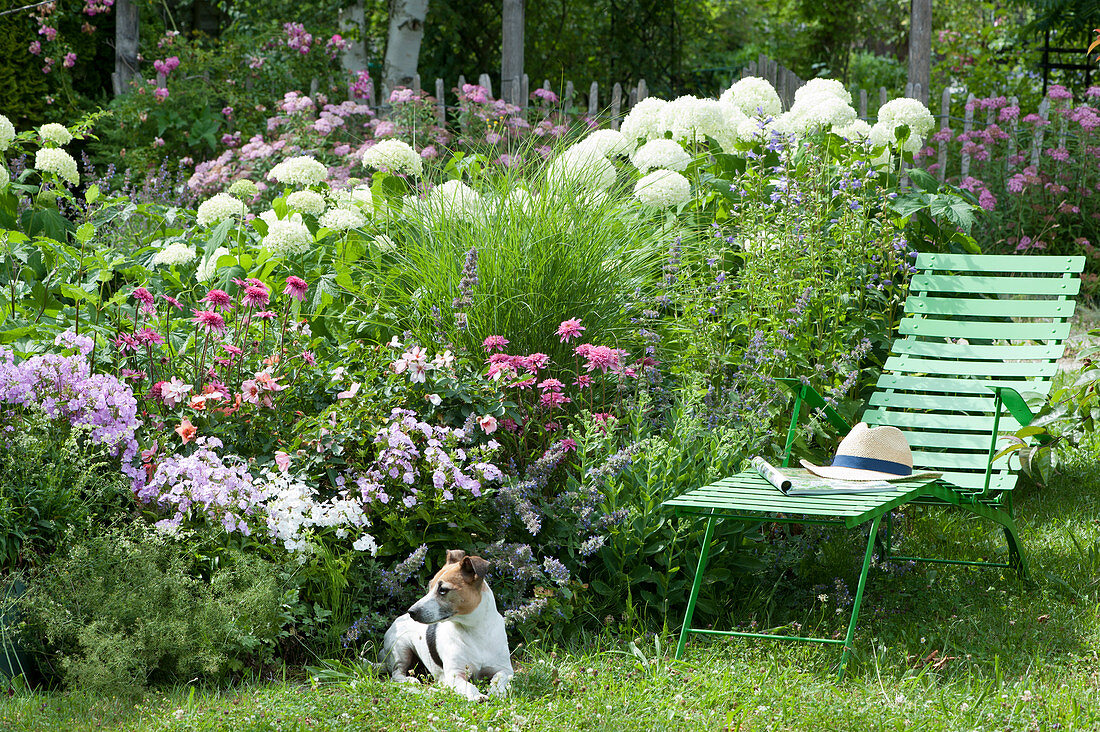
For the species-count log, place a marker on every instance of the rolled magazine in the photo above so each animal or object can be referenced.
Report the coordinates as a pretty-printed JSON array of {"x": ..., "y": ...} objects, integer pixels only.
[{"x": 771, "y": 474}]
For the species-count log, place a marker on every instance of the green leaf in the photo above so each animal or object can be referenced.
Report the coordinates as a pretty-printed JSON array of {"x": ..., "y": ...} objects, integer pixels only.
[
  {"x": 85, "y": 232},
  {"x": 92, "y": 194}
]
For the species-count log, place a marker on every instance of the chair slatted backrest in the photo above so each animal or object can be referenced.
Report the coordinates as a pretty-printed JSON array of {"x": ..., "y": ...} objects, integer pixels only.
[{"x": 973, "y": 321}]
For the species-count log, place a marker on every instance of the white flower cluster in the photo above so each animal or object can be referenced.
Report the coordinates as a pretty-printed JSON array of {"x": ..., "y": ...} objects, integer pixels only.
[
  {"x": 293, "y": 509},
  {"x": 581, "y": 167},
  {"x": 359, "y": 197},
  {"x": 244, "y": 189},
  {"x": 454, "y": 200},
  {"x": 55, "y": 134},
  {"x": 209, "y": 267},
  {"x": 609, "y": 143},
  {"x": 753, "y": 96},
  {"x": 286, "y": 237},
  {"x": 4, "y": 177},
  {"x": 395, "y": 156},
  {"x": 660, "y": 153},
  {"x": 7, "y": 133},
  {"x": 663, "y": 189},
  {"x": 173, "y": 254},
  {"x": 308, "y": 202},
  {"x": 691, "y": 119},
  {"x": 56, "y": 160},
  {"x": 301, "y": 170},
  {"x": 218, "y": 208},
  {"x": 643, "y": 122},
  {"x": 898, "y": 112},
  {"x": 820, "y": 104},
  {"x": 342, "y": 218}
]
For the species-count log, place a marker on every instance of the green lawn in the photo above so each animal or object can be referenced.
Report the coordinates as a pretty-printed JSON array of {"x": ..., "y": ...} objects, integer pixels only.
[{"x": 1019, "y": 655}]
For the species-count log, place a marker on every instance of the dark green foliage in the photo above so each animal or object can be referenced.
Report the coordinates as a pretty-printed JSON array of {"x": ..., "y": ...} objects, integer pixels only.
[
  {"x": 124, "y": 608},
  {"x": 21, "y": 77}
]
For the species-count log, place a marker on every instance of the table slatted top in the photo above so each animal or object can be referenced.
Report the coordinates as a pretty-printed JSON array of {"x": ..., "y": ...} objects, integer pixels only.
[{"x": 748, "y": 494}]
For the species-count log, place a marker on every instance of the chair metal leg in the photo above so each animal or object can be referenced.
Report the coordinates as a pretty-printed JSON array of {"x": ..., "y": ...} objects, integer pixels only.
[
  {"x": 695, "y": 585},
  {"x": 859, "y": 597}
]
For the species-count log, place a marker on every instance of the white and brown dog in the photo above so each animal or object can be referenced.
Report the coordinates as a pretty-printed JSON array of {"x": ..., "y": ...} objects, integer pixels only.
[{"x": 455, "y": 631}]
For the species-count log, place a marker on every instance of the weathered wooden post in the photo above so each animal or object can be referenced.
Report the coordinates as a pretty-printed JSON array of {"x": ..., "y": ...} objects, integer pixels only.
[
  {"x": 126, "y": 46},
  {"x": 511, "y": 55},
  {"x": 920, "y": 47}
]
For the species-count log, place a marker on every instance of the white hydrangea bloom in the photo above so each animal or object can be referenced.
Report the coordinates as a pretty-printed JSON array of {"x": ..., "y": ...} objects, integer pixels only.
[
  {"x": 609, "y": 143},
  {"x": 660, "y": 154},
  {"x": 813, "y": 112},
  {"x": 384, "y": 243},
  {"x": 583, "y": 167},
  {"x": 359, "y": 197},
  {"x": 218, "y": 208},
  {"x": 518, "y": 199},
  {"x": 663, "y": 189},
  {"x": 884, "y": 133},
  {"x": 286, "y": 237},
  {"x": 395, "y": 156},
  {"x": 856, "y": 131},
  {"x": 301, "y": 170},
  {"x": 342, "y": 219},
  {"x": 206, "y": 270},
  {"x": 308, "y": 202},
  {"x": 823, "y": 88},
  {"x": 244, "y": 189},
  {"x": 4, "y": 177},
  {"x": 7, "y": 133},
  {"x": 176, "y": 253},
  {"x": 690, "y": 118},
  {"x": 56, "y": 160},
  {"x": 643, "y": 122},
  {"x": 455, "y": 200},
  {"x": 753, "y": 129},
  {"x": 413, "y": 208},
  {"x": 909, "y": 112},
  {"x": 54, "y": 133},
  {"x": 753, "y": 96}
]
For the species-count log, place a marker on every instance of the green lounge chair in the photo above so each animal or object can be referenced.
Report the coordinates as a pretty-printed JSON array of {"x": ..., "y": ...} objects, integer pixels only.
[{"x": 979, "y": 331}]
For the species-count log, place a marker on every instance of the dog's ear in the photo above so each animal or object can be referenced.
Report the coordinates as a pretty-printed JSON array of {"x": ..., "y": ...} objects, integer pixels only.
[
  {"x": 474, "y": 569},
  {"x": 454, "y": 556}
]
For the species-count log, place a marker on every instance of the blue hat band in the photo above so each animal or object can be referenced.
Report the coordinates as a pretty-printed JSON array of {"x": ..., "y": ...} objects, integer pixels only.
[{"x": 865, "y": 463}]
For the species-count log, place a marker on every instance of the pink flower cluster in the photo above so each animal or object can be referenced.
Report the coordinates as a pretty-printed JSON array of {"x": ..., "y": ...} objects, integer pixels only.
[
  {"x": 97, "y": 7},
  {"x": 167, "y": 66},
  {"x": 297, "y": 38}
]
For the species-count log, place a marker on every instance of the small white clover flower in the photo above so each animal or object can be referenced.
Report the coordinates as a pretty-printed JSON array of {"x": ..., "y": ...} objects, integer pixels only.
[
  {"x": 218, "y": 208},
  {"x": 609, "y": 143},
  {"x": 286, "y": 237},
  {"x": 753, "y": 96},
  {"x": 55, "y": 133},
  {"x": 663, "y": 189},
  {"x": 174, "y": 254},
  {"x": 342, "y": 219},
  {"x": 308, "y": 202},
  {"x": 395, "y": 156},
  {"x": 583, "y": 167},
  {"x": 643, "y": 122},
  {"x": 56, "y": 160},
  {"x": 7, "y": 133},
  {"x": 300, "y": 170},
  {"x": 660, "y": 154},
  {"x": 244, "y": 189},
  {"x": 206, "y": 270}
]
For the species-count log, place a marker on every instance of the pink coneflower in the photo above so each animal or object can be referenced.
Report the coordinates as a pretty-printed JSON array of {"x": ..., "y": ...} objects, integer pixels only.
[
  {"x": 218, "y": 299},
  {"x": 256, "y": 296},
  {"x": 210, "y": 321},
  {"x": 568, "y": 444},
  {"x": 296, "y": 287},
  {"x": 551, "y": 399},
  {"x": 232, "y": 349},
  {"x": 583, "y": 382},
  {"x": 132, "y": 374},
  {"x": 526, "y": 383},
  {"x": 147, "y": 336},
  {"x": 602, "y": 358},
  {"x": 551, "y": 385},
  {"x": 126, "y": 342},
  {"x": 570, "y": 329},
  {"x": 265, "y": 315},
  {"x": 537, "y": 361},
  {"x": 495, "y": 342},
  {"x": 173, "y": 302},
  {"x": 143, "y": 296}
]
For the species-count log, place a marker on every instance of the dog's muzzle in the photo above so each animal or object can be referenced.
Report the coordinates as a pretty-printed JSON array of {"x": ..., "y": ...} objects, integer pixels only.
[{"x": 430, "y": 611}]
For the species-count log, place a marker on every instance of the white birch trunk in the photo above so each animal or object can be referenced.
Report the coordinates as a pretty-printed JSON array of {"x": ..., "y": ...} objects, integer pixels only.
[{"x": 403, "y": 44}]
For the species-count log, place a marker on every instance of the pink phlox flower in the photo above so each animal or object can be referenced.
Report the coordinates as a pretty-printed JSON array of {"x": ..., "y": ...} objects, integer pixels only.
[
  {"x": 1008, "y": 114},
  {"x": 296, "y": 287},
  {"x": 218, "y": 299},
  {"x": 494, "y": 342},
  {"x": 1035, "y": 119},
  {"x": 986, "y": 200},
  {"x": 1060, "y": 154},
  {"x": 209, "y": 321},
  {"x": 160, "y": 93},
  {"x": 1057, "y": 91},
  {"x": 570, "y": 329}
]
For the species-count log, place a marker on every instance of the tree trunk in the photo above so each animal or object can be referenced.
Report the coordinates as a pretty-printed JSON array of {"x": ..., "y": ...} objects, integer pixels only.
[
  {"x": 353, "y": 27},
  {"x": 511, "y": 57},
  {"x": 403, "y": 44},
  {"x": 920, "y": 47},
  {"x": 126, "y": 46}
]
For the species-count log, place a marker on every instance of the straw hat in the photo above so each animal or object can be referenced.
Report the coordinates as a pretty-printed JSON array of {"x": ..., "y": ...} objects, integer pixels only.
[{"x": 869, "y": 453}]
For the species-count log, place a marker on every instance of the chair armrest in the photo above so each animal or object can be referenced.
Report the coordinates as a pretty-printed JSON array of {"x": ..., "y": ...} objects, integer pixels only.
[
  {"x": 809, "y": 395},
  {"x": 1015, "y": 403}
]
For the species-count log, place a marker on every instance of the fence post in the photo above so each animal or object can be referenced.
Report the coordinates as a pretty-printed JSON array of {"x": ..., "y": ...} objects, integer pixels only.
[
  {"x": 643, "y": 90},
  {"x": 567, "y": 99},
  {"x": 863, "y": 104},
  {"x": 593, "y": 99},
  {"x": 461, "y": 82},
  {"x": 440, "y": 104},
  {"x": 945, "y": 124},
  {"x": 416, "y": 83},
  {"x": 632, "y": 99},
  {"x": 1014, "y": 126},
  {"x": 616, "y": 104},
  {"x": 524, "y": 91},
  {"x": 968, "y": 124},
  {"x": 486, "y": 82},
  {"x": 882, "y": 99},
  {"x": 1037, "y": 140}
]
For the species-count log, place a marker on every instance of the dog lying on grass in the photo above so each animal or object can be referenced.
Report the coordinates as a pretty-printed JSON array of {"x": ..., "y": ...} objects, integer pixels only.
[{"x": 454, "y": 631}]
